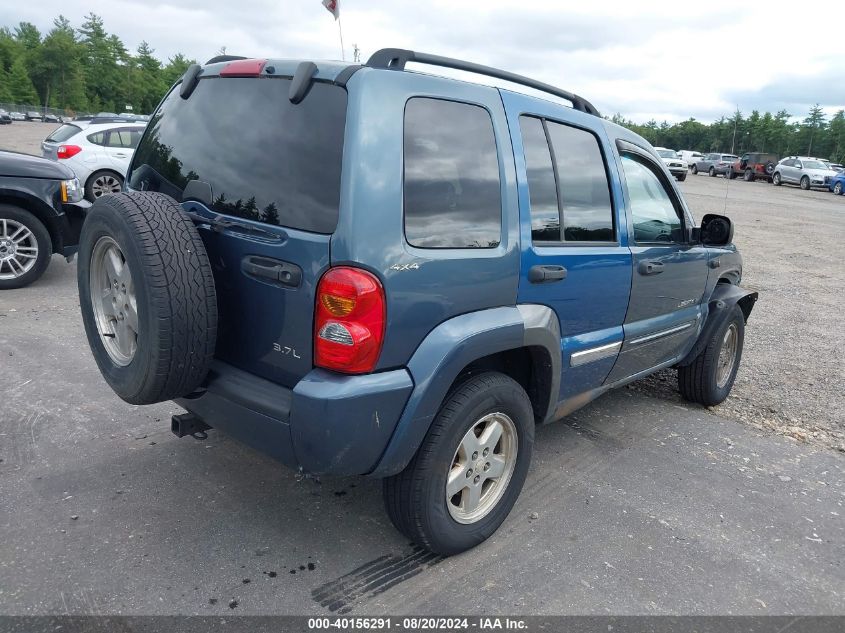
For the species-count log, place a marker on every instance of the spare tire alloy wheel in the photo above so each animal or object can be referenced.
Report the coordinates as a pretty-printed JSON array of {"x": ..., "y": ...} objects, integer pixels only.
[
  {"x": 113, "y": 301},
  {"x": 770, "y": 167},
  {"x": 147, "y": 297}
]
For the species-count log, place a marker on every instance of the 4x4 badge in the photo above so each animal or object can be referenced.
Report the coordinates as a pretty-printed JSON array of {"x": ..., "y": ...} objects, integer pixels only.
[{"x": 401, "y": 267}]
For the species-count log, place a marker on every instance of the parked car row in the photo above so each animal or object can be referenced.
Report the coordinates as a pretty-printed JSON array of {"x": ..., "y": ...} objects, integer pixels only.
[{"x": 807, "y": 172}]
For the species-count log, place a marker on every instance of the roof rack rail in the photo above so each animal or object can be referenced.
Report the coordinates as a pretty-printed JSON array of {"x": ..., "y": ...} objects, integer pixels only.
[{"x": 396, "y": 58}]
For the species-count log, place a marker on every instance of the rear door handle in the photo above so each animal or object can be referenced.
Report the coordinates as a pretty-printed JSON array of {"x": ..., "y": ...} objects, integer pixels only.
[
  {"x": 650, "y": 268},
  {"x": 545, "y": 274},
  {"x": 273, "y": 270}
]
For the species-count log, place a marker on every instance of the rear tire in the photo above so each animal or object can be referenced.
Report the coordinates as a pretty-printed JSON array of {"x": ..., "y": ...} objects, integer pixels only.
[
  {"x": 694, "y": 170},
  {"x": 101, "y": 183},
  {"x": 712, "y": 172},
  {"x": 730, "y": 175},
  {"x": 147, "y": 296},
  {"x": 709, "y": 378},
  {"x": 681, "y": 177},
  {"x": 748, "y": 176},
  {"x": 805, "y": 183},
  {"x": 455, "y": 452},
  {"x": 25, "y": 248}
]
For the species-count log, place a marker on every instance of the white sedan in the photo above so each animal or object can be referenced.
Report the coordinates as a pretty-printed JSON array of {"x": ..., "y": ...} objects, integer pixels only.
[{"x": 98, "y": 153}]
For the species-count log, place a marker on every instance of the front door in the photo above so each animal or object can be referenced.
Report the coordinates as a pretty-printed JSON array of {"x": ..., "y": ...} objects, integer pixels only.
[
  {"x": 669, "y": 271},
  {"x": 574, "y": 257}
]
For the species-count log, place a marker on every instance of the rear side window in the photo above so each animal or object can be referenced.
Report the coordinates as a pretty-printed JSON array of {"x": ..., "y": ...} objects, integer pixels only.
[
  {"x": 571, "y": 159},
  {"x": 63, "y": 133},
  {"x": 452, "y": 192},
  {"x": 263, "y": 157},
  {"x": 98, "y": 138}
]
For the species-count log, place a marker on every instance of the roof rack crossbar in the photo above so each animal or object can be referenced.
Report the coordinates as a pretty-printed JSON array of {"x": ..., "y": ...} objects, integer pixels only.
[{"x": 397, "y": 58}]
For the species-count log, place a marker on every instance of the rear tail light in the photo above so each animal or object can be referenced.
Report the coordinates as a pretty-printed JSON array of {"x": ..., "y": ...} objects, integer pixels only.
[
  {"x": 349, "y": 321},
  {"x": 68, "y": 151}
]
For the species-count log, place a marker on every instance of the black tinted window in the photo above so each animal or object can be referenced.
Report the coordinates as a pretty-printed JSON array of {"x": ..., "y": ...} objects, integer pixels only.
[
  {"x": 452, "y": 191},
  {"x": 542, "y": 191},
  {"x": 264, "y": 158},
  {"x": 63, "y": 133},
  {"x": 582, "y": 185}
]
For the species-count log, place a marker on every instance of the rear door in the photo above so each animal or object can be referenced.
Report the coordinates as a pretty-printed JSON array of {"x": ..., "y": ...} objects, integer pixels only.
[
  {"x": 669, "y": 271},
  {"x": 120, "y": 143},
  {"x": 574, "y": 257},
  {"x": 261, "y": 177}
]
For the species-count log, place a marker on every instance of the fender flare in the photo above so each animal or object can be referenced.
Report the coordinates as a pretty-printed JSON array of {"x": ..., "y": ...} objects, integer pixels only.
[
  {"x": 448, "y": 349},
  {"x": 725, "y": 296}
]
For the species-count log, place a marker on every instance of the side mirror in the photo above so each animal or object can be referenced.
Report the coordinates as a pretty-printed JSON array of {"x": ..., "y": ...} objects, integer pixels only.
[{"x": 716, "y": 230}]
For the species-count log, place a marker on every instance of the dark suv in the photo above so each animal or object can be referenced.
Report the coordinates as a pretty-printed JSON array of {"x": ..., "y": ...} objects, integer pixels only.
[
  {"x": 754, "y": 166},
  {"x": 361, "y": 270},
  {"x": 41, "y": 213}
]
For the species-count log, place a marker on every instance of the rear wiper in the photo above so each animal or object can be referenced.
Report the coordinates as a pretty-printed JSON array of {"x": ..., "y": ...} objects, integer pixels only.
[{"x": 219, "y": 223}]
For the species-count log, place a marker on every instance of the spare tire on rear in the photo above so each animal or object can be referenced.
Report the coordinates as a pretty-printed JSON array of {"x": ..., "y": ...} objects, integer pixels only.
[{"x": 147, "y": 296}]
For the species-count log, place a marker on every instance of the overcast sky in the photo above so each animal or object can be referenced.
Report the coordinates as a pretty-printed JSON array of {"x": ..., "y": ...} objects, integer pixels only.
[{"x": 644, "y": 59}]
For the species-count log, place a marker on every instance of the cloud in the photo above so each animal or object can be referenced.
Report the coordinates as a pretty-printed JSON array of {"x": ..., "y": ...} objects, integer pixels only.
[{"x": 640, "y": 59}]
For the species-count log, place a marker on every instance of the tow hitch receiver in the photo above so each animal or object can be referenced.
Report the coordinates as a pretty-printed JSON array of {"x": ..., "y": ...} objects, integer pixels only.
[{"x": 188, "y": 424}]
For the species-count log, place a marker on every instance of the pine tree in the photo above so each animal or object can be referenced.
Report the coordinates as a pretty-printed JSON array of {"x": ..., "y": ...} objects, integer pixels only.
[{"x": 20, "y": 85}]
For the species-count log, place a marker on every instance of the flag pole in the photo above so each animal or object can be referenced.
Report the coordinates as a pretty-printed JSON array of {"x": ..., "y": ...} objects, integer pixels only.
[{"x": 340, "y": 31}]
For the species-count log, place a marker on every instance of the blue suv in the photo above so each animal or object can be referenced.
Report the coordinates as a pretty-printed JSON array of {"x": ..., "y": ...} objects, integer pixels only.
[{"x": 360, "y": 269}]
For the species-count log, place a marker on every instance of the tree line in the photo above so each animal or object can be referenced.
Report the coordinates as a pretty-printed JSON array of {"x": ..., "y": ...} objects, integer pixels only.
[
  {"x": 86, "y": 69},
  {"x": 82, "y": 69},
  {"x": 767, "y": 132}
]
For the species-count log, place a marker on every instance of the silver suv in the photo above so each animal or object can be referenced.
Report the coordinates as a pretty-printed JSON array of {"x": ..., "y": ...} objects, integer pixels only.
[{"x": 804, "y": 171}]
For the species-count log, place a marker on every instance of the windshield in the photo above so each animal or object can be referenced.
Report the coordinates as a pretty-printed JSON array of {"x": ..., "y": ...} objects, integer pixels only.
[
  {"x": 63, "y": 133},
  {"x": 263, "y": 159},
  {"x": 667, "y": 153},
  {"x": 814, "y": 164}
]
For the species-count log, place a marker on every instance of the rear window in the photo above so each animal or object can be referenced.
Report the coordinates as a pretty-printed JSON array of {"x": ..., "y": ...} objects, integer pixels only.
[
  {"x": 63, "y": 133},
  {"x": 264, "y": 158}
]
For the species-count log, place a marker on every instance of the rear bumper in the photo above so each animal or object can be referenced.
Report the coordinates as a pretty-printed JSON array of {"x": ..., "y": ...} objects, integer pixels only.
[{"x": 327, "y": 424}]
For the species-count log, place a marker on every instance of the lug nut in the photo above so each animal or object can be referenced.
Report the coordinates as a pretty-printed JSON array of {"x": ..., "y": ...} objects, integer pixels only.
[
  {"x": 475, "y": 455},
  {"x": 486, "y": 450},
  {"x": 469, "y": 473},
  {"x": 477, "y": 478},
  {"x": 486, "y": 466}
]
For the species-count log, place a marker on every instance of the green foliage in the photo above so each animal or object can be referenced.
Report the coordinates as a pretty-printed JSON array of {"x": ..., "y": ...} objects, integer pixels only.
[
  {"x": 83, "y": 69},
  {"x": 758, "y": 132}
]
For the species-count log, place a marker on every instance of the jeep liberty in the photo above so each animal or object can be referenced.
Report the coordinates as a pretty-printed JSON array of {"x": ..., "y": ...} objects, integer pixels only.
[{"x": 362, "y": 270}]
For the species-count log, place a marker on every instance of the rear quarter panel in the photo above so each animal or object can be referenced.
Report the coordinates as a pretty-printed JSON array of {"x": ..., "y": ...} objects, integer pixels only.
[{"x": 424, "y": 287}]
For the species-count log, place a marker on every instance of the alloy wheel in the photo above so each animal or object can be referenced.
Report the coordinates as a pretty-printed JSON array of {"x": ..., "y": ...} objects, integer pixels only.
[
  {"x": 113, "y": 301},
  {"x": 105, "y": 184},
  {"x": 481, "y": 468},
  {"x": 727, "y": 356},
  {"x": 18, "y": 249}
]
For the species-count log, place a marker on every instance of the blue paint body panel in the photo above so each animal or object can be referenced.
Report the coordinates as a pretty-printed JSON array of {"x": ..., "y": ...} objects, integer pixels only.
[{"x": 445, "y": 308}]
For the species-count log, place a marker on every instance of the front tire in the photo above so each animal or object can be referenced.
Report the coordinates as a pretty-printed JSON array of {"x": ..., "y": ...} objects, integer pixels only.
[
  {"x": 748, "y": 176},
  {"x": 470, "y": 468},
  {"x": 712, "y": 172},
  {"x": 681, "y": 177},
  {"x": 805, "y": 183},
  {"x": 695, "y": 170},
  {"x": 837, "y": 188},
  {"x": 709, "y": 378},
  {"x": 25, "y": 248},
  {"x": 776, "y": 179}
]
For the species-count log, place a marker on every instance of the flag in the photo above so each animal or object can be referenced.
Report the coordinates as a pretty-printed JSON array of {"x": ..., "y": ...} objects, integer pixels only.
[{"x": 333, "y": 6}]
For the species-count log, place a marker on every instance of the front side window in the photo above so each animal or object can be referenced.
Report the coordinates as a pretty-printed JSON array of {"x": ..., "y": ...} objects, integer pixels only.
[
  {"x": 654, "y": 215},
  {"x": 452, "y": 192}
]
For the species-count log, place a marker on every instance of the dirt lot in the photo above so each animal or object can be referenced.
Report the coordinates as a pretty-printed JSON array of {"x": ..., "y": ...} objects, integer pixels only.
[
  {"x": 793, "y": 371},
  {"x": 637, "y": 504},
  {"x": 25, "y": 136}
]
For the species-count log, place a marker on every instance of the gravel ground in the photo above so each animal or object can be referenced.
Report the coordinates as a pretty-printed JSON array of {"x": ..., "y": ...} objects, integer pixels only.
[
  {"x": 792, "y": 374},
  {"x": 25, "y": 136},
  {"x": 791, "y": 379}
]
